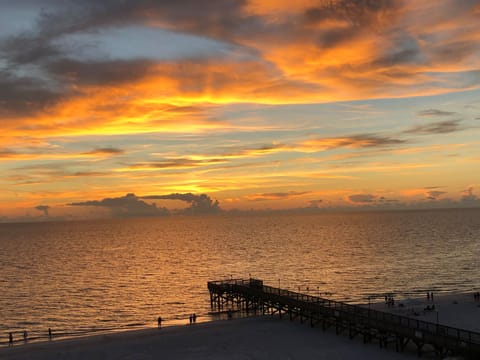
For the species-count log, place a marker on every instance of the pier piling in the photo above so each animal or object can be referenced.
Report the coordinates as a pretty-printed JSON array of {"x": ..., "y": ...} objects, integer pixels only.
[{"x": 251, "y": 294}]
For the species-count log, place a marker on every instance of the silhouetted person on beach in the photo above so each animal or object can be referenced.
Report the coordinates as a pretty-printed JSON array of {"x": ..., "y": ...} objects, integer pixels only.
[
  {"x": 190, "y": 319},
  {"x": 10, "y": 339},
  {"x": 159, "y": 321},
  {"x": 431, "y": 296},
  {"x": 194, "y": 318},
  {"x": 25, "y": 336},
  {"x": 50, "y": 333}
]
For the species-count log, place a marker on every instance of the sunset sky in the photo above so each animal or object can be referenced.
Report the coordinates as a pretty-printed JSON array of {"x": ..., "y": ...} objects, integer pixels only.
[{"x": 259, "y": 104}]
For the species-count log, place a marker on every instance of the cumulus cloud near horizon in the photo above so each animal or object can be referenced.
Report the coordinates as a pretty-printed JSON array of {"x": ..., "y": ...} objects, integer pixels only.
[
  {"x": 126, "y": 206},
  {"x": 199, "y": 204},
  {"x": 43, "y": 208},
  {"x": 132, "y": 205}
]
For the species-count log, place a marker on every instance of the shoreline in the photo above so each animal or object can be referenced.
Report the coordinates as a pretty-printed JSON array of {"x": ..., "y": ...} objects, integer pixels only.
[
  {"x": 255, "y": 336},
  {"x": 84, "y": 334}
]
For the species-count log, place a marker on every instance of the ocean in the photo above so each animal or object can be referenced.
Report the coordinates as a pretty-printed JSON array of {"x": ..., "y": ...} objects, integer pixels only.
[{"x": 80, "y": 278}]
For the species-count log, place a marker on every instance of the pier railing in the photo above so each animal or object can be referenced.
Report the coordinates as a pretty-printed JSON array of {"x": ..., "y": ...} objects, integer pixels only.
[{"x": 417, "y": 330}]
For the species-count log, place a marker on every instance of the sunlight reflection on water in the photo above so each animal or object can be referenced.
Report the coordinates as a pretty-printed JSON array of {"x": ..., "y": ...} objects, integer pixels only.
[{"x": 117, "y": 274}]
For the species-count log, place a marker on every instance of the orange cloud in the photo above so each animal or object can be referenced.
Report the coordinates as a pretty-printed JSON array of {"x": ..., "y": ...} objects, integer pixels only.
[{"x": 48, "y": 154}]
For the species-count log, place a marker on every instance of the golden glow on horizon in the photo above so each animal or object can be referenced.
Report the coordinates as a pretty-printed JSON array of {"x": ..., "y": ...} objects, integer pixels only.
[{"x": 265, "y": 119}]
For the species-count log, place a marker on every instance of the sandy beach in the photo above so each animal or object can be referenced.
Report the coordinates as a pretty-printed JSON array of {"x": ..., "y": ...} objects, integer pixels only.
[
  {"x": 249, "y": 338},
  {"x": 455, "y": 310}
]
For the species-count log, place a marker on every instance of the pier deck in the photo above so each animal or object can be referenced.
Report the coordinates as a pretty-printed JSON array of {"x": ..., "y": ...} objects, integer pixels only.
[{"x": 384, "y": 327}]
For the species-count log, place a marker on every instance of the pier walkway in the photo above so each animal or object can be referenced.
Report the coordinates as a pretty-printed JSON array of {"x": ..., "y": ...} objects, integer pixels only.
[{"x": 386, "y": 328}]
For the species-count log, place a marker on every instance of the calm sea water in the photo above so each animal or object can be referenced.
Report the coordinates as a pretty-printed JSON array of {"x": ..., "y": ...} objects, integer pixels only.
[{"x": 77, "y": 277}]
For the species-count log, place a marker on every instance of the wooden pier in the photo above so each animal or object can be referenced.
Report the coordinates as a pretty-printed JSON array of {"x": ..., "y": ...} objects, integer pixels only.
[{"x": 372, "y": 325}]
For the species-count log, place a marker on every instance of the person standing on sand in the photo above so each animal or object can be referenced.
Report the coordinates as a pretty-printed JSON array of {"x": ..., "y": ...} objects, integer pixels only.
[
  {"x": 159, "y": 320},
  {"x": 10, "y": 339},
  {"x": 194, "y": 318},
  {"x": 190, "y": 319},
  {"x": 50, "y": 333},
  {"x": 25, "y": 336}
]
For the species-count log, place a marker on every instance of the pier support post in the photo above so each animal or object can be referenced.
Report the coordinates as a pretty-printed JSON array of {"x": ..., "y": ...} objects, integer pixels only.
[{"x": 419, "y": 349}]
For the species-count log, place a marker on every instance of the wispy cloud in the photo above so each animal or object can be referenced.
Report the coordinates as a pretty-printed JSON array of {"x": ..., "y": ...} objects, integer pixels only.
[
  {"x": 6, "y": 153},
  {"x": 354, "y": 141},
  {"x": 441, "y": 127},
  {"x": 435, "y": 113},
  {"x": 276, "y": 195},
  {"x": 105, "y": 151},
  {"x": 362, "y": 198},
  {"x": 177, "y": 163}
]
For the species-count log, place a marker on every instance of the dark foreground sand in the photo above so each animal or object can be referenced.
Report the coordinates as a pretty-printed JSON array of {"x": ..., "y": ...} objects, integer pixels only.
[{"x": 247, "y": 338}]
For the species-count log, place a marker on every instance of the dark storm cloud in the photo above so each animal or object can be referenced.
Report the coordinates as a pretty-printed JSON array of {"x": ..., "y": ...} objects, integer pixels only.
[
  {"x": 126, "y": 206},
  {"x": 43, "y": 208},
  {"x": 199, "y": 204},
  {"x": 442, "y": 127}
]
